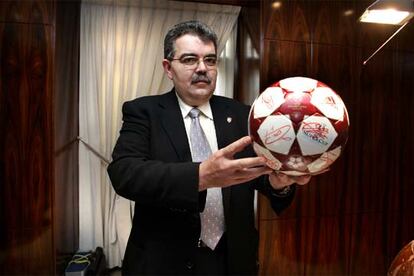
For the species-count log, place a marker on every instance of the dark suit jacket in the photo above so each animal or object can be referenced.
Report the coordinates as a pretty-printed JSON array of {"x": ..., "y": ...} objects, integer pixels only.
[{"x": 152, "y": 166}]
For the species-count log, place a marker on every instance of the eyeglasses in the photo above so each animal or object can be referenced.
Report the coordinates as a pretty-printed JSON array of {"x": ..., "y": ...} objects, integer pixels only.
[{"x": 193, "y": 61}]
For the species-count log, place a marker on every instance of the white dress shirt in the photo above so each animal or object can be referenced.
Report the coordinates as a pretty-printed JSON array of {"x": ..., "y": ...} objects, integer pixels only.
[{"x": 206, "y": 122}]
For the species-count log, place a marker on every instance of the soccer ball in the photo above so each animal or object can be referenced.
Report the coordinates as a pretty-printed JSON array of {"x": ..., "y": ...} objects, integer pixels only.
[{"x": 299, "y": 125}]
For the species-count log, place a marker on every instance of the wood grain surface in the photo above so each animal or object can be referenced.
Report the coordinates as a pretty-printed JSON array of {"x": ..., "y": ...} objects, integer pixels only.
[{"x": 355, "y": 218}]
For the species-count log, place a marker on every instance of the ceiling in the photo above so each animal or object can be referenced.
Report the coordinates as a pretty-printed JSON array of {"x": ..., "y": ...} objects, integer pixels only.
[{"x": 227, "y": 2}]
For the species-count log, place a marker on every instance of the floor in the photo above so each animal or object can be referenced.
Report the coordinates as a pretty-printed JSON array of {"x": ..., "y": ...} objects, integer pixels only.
[{"x": 115, "y": 272}]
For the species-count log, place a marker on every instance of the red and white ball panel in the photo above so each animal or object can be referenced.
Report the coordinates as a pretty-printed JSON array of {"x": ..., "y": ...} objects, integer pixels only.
[
  {"x": 298, "y": 84},
  {"x": 323, "y": 162},
  {"x": 315, "y": 135},
  {"x": 277, "y": 134},
  {"x": 325, "y": 100},
  {"x": 272, "y": 162},
  {"x": 269, "y": 101},
  {"x": 300, "y": 125}
]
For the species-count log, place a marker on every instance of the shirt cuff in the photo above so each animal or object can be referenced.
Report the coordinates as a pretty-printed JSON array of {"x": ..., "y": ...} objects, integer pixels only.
[{"x": 284, "y": 192}]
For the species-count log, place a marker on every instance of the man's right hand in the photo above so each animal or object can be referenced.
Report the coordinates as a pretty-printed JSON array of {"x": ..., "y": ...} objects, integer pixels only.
[{"x": 222, "y": 170}]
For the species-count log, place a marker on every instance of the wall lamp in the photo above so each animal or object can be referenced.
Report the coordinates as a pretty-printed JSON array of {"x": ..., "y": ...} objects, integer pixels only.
[{"x": 395, "y": 12}]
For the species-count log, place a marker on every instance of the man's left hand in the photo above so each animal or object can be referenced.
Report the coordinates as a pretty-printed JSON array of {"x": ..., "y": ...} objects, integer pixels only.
[{"x": 280, "y": 180}]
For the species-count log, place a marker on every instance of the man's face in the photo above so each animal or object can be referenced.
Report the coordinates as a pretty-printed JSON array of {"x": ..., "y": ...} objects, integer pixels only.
[{"x": 194, "y": 83}]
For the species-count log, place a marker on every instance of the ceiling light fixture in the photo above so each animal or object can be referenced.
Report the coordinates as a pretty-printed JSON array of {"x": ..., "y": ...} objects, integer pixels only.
[{"x": 395, "y": 12}]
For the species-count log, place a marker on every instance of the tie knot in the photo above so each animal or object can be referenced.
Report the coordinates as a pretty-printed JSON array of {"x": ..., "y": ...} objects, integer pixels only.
[{"x": 194, "y": 113}]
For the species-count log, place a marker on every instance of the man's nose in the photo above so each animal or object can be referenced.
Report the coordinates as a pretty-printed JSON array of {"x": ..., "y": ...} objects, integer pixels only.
[{"x": 201, "y": 66}]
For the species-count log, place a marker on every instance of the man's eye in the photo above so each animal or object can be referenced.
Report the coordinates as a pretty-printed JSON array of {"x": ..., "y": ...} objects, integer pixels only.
[
  {"x": 189, "y": 60},
  {"x": 210, "y": 60}
]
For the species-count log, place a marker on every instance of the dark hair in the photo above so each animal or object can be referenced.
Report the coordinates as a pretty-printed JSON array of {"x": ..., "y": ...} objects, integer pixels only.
[{"x": 201, "y": 30}]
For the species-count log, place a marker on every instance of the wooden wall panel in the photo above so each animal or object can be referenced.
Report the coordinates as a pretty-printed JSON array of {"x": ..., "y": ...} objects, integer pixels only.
[
  {"x": 26, "y": 140},
  {"x": 30, "y": 11},
  {"x": 288, "y": 22},
  {"x": 328, "y": 22},
  {"x": 285, "y": 248},
  {"x": 355, "y": 218},
  {"x": 305, "y": 246},
  {"x": 283, "y": 59},
  {"x": 374, "y": 240},
  {"x": 332, "y": 245},
  {"x": 25, "y": 147}
]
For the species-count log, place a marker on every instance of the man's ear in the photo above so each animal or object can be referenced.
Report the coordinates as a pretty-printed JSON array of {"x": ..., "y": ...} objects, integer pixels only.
[{"x": 167, "y": 68}]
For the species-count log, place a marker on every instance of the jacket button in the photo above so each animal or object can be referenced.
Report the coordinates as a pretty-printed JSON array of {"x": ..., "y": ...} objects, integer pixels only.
[{"x": 189, "y": 264}]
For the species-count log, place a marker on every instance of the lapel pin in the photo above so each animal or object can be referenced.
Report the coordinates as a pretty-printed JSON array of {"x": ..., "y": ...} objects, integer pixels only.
[{"x": 229, "y": 119}]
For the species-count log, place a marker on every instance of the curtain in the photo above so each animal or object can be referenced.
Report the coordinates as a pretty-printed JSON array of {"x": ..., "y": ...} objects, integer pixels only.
[
  {"x": 121, "y": 49},
  {"x": 226, "y": 66}
]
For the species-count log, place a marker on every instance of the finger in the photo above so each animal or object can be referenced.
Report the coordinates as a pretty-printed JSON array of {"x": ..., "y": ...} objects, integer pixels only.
[
  {"x": 248, "y": 162},
  {"x": 243, "y": 180},
  {"x": 247, "y": 178},
  {"x": 248, "y": 174},
  {"x": 302, "y": 180},
  {"x": 236, "y": 146},
  {"x": 254, "y": 172},
  {"x": 281, "y": 179}
]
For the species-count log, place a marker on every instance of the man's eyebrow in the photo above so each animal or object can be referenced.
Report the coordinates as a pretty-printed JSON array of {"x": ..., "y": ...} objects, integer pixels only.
[
  {"x": 195, "y": 55},
  {"x": 188, "y": 55}
]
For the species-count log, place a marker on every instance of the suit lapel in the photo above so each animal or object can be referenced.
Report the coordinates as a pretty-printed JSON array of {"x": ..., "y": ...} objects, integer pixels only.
[
  {"x": 221, "y": 113},
  {"x": 173, "y": 124}
]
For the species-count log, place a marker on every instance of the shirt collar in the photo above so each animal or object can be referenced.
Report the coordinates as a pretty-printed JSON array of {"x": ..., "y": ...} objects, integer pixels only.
[{"x": 185, "y": 108}]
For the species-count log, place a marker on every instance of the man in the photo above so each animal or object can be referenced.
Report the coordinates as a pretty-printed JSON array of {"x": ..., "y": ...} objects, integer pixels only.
[{"x": 179, "y": 157}]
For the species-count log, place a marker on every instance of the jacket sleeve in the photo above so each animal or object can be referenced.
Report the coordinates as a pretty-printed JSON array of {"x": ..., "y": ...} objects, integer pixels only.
[
  {"x": 277, "y": 201},
  {"x": 137, "y": 176}
]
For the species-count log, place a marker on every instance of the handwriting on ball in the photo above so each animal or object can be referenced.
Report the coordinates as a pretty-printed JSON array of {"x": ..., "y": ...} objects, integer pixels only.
[
  {"x": 329, "y": 158},
  {"x": 316, "y": 131},
  {"x": 267, "y": 100},
  {"x": 330, "y": 101},
  {"x": 274, "y": 135}
]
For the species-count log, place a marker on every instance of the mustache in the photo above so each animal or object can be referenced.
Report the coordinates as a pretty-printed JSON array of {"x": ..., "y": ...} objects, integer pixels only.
[{"x": 200, "y": 77}]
